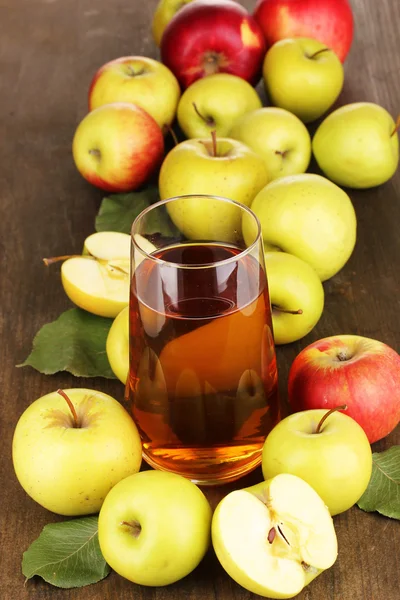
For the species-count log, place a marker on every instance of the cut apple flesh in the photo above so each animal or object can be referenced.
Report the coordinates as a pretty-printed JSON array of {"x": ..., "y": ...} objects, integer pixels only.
[
  {"x": 99, "y": 280},
  {"x": 274, "y": 538}
]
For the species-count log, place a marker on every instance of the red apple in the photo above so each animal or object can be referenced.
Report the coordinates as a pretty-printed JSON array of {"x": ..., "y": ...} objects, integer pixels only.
[
  {"x": 329, "y": 21},
  {"x": 213, "y": 36},
  {"x": 357, "y": 371},
  {"x": 117, "y": 147}
]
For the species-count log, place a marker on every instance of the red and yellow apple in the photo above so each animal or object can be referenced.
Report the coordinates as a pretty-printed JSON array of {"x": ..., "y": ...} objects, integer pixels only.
[
  {"x": 116, "y": 147},
  {"x": 362, "y": 373},
  {"x": 140, "y": 80},
  {"x": 328, "y": 21},
  {"x": 213, "y": 36}
]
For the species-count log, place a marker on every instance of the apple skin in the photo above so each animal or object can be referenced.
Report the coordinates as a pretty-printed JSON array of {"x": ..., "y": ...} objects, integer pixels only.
[
  {"x": 164, "y": 12},
  {"x": 293, "y": 285},
  {"x": 357, "y": 371},
  {"x": 330, "y": 21},
  {"x": 310, "y": 217},
  {"x": 300, "y": 80},
  {"x": 141, "y": 80},
  {"x": 357, "y": 145},
  {"x": 173, "y": 521},
  {"x": 278, "y": 136},
  {"x": 69, "y": 470},
  {"x": 220, "y": 99},
  {"x": 117, "y": 147},
  {"x": 191, "y": 169},
  {"x": 337, "y": 462},
  {"x": 211, "y": 36}
]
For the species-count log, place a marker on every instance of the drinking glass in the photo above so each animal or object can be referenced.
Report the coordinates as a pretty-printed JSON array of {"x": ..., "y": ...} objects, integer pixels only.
[{"x": 203, "y": 378}]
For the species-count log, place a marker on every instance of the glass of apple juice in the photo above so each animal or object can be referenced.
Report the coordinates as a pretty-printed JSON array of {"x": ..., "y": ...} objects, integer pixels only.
[{"x": 203, "y": 378}]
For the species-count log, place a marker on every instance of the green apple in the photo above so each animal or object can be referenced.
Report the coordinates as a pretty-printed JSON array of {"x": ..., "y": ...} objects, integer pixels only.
[
  {"x": 141, "y": 80},
  {"x": 164, "y": 12},
  {"x": 327, "y": 449},
  {"x": 279, "y": 137},
  {"x": 296, "y": 294},
  {"x": 154, "y": 527},
  {"x": 98, "y": 281},
  {"x": 275, "y": 537},
  {"x": 357, "y": 145},
  {"x": 225, "y": 168},
  {"x": 303, "y": 76},
  {"x": 215, "y": 103},
  {"x": 117, "y": 345},
  {"x": 71, "y": 447},
  {"x": 310, "y": 217}
]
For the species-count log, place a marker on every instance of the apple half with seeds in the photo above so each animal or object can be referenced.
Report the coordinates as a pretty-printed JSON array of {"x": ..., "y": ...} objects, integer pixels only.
[
  {"x": 98, "y": 281},
  {"x": 275, "y": 537}
]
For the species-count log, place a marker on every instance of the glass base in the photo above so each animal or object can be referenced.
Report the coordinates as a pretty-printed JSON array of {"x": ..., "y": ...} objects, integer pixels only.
[{"x": 208, "y": 472}]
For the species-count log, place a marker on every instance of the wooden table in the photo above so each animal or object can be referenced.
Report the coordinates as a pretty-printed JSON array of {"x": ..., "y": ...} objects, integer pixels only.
[{"x": 49, "y": 51}]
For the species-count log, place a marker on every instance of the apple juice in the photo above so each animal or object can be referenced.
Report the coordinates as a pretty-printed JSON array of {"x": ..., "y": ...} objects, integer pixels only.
[{"x": 203, "y": 376}]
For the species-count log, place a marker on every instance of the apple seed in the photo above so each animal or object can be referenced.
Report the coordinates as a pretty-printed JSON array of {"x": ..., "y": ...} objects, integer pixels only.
[{"x": 271, "y": 535}]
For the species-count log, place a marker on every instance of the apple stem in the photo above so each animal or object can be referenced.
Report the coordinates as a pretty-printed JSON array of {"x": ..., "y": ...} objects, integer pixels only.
[
  {"x": 287, "y": 311},
  {"x": 135, "y": 527},
  {"x": 318, "y": 52},
  {"x": 397, "y": 127},
  {"x": 214, "y": 142},
  {"x": 207, "y": 120},
  {"x": 168, "y": 128},
  {"x": 326, "y": 415},
  {"x": 71, "y": 408},
  {"x": 271, "y": 535},
  {"x": 54, "y": 259}
]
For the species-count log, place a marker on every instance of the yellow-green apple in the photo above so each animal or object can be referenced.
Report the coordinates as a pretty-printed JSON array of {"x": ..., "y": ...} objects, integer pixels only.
[
  {"x": 278, "y": 136},
  {"x": 154, "y": 527},
  {"x": 275, "y": 537},
  {"x": 297, "y": 296},
  {"x": 117, "y": 345},
  {"x": 219, "y": 167},
  {"x": 164, "y": 12},
  {"x": 310, "y": 217},
  {"x": 215, "y": 103},
  {"x": 330, "y": 21},
  {"x": 98, "y": 281},
  {"x": 303, "y": 76},
  {"x": 140, "y": 80},
  {"x": 71, "y": 447},
  {"x": 357, "y": 145},
  {"x": 327, "y": 449},
  {"x": 357, "y": 371},
  {"x": 213, "y": 36},
  {"x": 117, "y": 147}
]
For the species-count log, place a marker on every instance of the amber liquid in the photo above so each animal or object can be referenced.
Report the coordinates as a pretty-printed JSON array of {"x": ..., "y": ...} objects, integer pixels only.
[{"x": 203, "y": 377}]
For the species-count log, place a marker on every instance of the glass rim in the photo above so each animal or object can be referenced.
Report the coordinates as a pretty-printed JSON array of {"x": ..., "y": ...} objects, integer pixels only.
[{"x": 217, "y": 263}]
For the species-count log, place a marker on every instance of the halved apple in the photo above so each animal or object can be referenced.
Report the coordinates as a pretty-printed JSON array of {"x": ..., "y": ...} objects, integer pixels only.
[
  {"x": 98, "y": 281},
  {"x": 275, "y": 537}
]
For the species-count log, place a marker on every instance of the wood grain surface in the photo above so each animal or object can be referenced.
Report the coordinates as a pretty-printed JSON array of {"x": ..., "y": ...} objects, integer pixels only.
[{"x": 49, "y": 50}]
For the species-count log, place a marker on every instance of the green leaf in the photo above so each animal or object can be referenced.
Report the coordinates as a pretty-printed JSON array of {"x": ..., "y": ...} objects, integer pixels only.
[
  {"x": 75, "y": 342},
  {"x": 67, "y": 554},
  {"x": 118, "y": 211},
  {"x": 383, "y": 491}
]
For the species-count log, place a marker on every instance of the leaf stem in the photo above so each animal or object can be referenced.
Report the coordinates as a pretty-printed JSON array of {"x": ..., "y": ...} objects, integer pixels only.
[
  {"x": 397, "y": 126},
  {"x": 318, "y": 52},
  {"x": 54, "y": 259}
]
